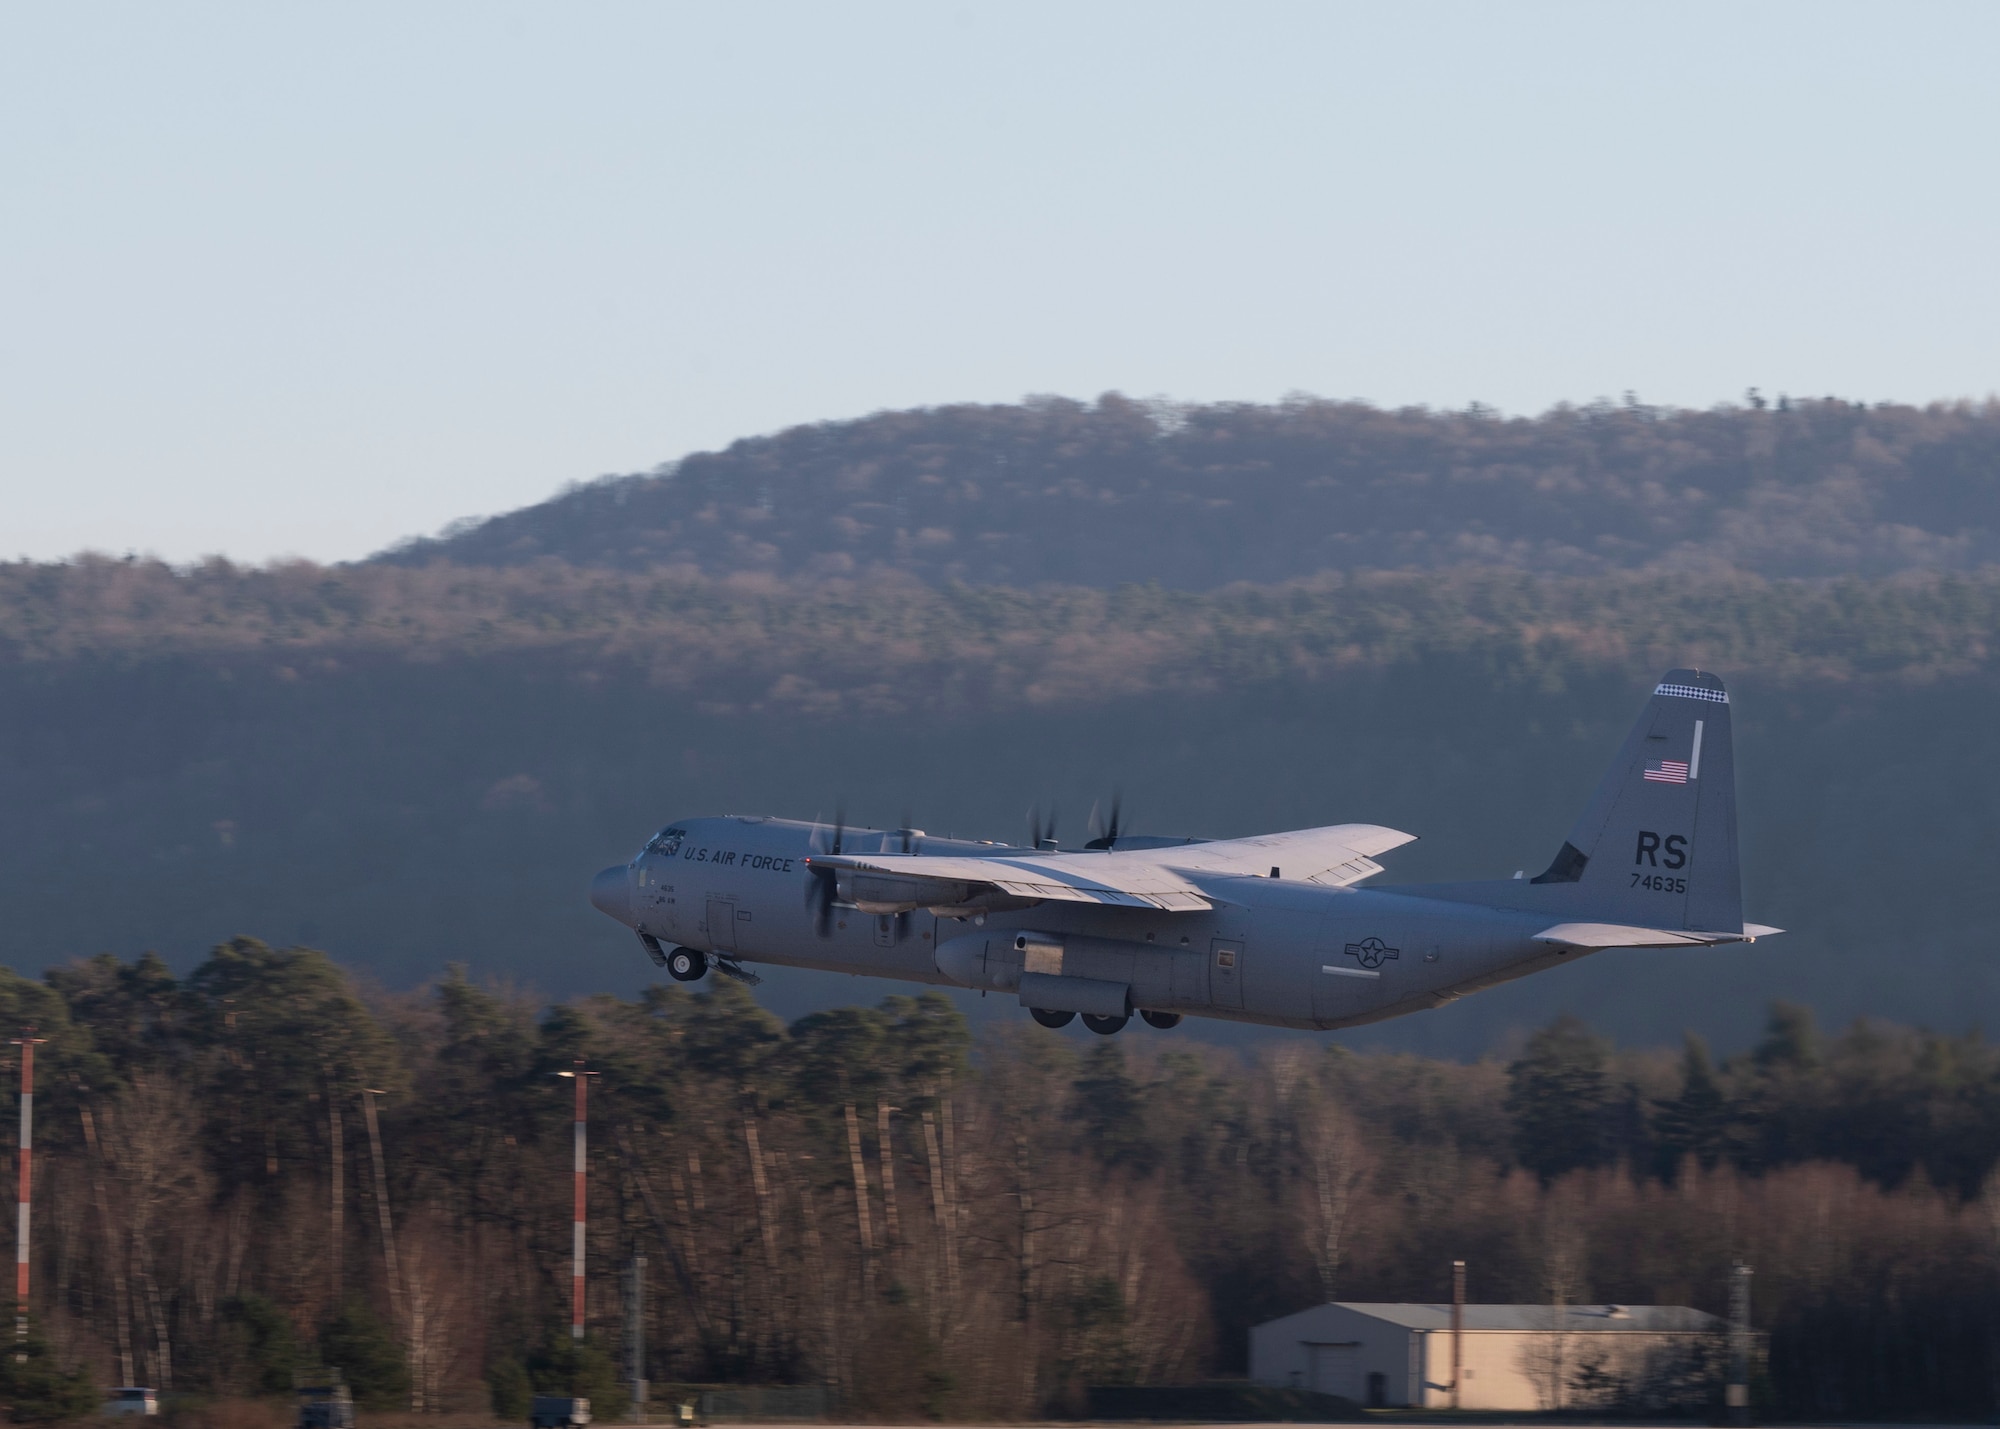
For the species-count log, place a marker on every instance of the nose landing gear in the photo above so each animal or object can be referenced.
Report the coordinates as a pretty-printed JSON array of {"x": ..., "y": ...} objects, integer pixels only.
[{"x": 686, "y": 965}]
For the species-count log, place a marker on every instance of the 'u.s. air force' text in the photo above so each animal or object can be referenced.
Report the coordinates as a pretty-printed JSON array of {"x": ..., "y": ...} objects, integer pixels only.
[{"x": 730, "y": 858}]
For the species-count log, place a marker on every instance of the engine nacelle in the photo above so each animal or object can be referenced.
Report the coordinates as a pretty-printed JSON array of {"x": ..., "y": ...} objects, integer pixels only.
[{"x": 880, "y": 893}]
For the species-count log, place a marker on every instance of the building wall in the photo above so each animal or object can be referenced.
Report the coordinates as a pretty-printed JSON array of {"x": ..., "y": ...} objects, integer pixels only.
[
  {"x": 1498, "y": 1369},
  {"x": 1517, "y": 1370},
  {"x": 1334, "y": 1351}
]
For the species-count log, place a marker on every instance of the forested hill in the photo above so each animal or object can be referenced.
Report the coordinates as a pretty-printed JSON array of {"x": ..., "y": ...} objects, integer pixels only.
[
  {"x": 416, "y": 761},
  {"x": 1123, "y": 492},
  {"x": 409, "y": 767}
]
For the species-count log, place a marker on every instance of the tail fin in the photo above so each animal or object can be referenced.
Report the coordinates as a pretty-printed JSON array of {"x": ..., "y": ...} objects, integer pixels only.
[{"x": 1656, "y": 847}]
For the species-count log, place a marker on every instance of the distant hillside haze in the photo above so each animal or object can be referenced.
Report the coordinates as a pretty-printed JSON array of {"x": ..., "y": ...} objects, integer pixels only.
[
  {"x": 410, "y": 767},
  {"x": 1247, "y": 618},
  {"x": 1195, "y": 497}
]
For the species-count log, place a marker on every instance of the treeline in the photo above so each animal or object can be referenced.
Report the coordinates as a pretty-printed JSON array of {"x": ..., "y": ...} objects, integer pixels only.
[
  {"x": 885, "y": 646},
  {"x": 263, "y": 1169},
  {"x": 1119, "y": 492}
]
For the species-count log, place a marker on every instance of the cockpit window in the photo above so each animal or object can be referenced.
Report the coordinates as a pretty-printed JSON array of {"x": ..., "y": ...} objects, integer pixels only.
[{"x": 666, "y": 843}]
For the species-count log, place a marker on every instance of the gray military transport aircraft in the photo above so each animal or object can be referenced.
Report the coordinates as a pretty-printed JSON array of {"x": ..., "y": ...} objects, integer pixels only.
[{"x": 1270, "y": 929}]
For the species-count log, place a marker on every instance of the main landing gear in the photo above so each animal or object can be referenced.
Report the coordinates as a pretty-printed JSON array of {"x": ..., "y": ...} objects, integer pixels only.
[
  {"x": 1103, "y": 1026},
  {"x": 686, "y": 964}
]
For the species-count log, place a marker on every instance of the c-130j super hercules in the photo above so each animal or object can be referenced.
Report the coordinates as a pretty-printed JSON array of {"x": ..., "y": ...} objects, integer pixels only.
[{"x": 1271, "y": 929}]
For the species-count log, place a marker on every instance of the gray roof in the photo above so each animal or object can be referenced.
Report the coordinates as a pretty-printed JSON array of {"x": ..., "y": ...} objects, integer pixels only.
[{"x": 1575, "y": 1318}]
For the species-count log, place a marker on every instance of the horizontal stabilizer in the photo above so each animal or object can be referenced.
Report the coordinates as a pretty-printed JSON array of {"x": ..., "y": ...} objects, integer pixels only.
[{"x": 1622, "y": 935}]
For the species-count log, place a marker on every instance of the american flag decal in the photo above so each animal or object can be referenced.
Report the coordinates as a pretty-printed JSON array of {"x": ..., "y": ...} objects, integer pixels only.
[{"x": 1668, "y": 771}]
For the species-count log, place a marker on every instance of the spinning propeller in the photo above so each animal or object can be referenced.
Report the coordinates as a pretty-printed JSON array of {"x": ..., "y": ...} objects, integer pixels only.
[
  {"x": 907, "y": 837},
  {"x": 824, "y": 888},
  {"x": 823, "y": 893},
  {"x": 1107, "y": 834}
]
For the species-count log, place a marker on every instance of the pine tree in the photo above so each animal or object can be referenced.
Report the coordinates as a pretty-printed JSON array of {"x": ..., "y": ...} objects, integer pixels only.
[
  {"x": 1695, "y": 1123},
  {"x": 1558, "y": 1097}
]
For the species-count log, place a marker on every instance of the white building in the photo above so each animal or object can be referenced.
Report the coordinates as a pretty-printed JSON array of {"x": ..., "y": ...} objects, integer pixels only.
[{"x": 1511, "y": 1357}]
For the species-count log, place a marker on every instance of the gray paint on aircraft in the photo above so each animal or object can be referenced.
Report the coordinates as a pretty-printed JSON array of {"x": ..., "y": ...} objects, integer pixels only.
[{"x": 1200, "y": 928}]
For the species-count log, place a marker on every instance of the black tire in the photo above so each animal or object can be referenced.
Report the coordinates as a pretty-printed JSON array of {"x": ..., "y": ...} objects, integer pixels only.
[
  {"x": 1104, "y": 1026},
  {"x": 1051, "y": 1019},
  {"x": 1161, "y": 1020},
  {"x": 686, "y": 965}
]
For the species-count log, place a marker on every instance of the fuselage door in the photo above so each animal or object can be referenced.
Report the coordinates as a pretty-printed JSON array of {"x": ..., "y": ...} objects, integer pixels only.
[
  {"x": 722, "y": 924},
  {"x": 1225, "y": 972}
]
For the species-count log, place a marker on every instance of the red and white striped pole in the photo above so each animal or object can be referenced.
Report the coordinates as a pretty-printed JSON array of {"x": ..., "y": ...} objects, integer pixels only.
[
  {"x": 26, "y": 1042},
  {"x": 582, "y": 1079}
]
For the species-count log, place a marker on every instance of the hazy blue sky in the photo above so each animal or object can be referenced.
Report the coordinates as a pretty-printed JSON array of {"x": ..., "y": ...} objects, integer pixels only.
[{"x": 304, "y": 279}]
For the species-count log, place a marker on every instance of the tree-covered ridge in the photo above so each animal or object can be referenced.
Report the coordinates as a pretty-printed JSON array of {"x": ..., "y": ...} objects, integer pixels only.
[
  {"x": 891, "y": 644},
  {"x": 260, "y": 1169},
  {"x": 1194, "y": 497}
]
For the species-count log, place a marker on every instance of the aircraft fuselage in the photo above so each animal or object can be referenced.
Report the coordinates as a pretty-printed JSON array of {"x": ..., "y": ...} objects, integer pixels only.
[{"x": 1269, "y": 950}]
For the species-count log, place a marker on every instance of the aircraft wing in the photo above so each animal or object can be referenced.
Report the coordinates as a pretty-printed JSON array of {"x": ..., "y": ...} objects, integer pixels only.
[
  {"x": 1123, "y": 878},
  {"x": 1620, "y": 935},
  {"x": 1112, "y": 880},
  {"x": 1337, "y": 855}
]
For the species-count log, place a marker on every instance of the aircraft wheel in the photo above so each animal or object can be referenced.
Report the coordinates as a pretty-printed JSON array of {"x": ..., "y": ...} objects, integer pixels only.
[
  {"x": 1161, "y": 1020},
  {"x": 1103, "y": 1026},
  {"x": 1051, "y": 1019},
  {"x": 686, "y": 965}
]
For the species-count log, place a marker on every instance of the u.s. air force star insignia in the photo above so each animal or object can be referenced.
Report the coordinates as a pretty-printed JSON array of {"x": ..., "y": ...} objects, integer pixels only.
[{"x": 1372, "y": 952}]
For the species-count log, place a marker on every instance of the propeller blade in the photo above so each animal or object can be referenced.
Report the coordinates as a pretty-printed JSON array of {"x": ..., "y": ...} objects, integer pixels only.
[
  {"x": 820, "y": 893},
  {"x": 1107, "y": 834}
]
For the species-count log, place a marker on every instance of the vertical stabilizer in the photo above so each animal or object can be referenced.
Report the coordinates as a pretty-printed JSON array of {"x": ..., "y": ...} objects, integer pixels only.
[{"x": 1657, "y": 845}]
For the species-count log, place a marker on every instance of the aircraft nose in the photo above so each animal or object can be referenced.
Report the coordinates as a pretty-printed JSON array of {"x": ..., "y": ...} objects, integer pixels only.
[{"x": 611, "y": 893}]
